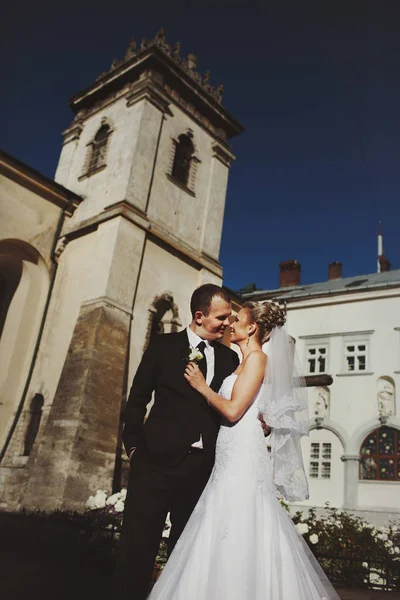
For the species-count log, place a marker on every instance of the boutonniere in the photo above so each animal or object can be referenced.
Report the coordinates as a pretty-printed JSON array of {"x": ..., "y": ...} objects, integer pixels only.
[{"x": 194, "y": 355}]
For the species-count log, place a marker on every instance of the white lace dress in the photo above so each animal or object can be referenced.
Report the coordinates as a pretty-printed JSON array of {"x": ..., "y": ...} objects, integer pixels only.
[{"x": 239, "y": 543}]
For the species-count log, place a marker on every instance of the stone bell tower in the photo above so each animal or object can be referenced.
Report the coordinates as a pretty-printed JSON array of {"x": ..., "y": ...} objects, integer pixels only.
[{"x": 148, "y": 150}]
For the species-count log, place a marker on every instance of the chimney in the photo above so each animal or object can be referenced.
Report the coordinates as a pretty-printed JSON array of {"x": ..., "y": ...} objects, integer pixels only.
[
  {"x": 384, "y": 264},
  {"x": 335, "y": 270},
  {"x": 289, "y": 273}
]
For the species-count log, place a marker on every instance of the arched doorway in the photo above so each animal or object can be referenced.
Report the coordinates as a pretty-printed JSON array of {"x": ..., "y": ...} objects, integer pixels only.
[{"x": 24, "y": 281}]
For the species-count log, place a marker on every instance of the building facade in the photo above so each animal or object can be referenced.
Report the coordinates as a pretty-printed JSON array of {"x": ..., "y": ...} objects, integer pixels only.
[
  {"x": 146, "y": 161},
  {"x": 349, "y": 328}
]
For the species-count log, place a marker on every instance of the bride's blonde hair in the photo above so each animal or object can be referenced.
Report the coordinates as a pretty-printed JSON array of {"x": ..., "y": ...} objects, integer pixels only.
[{"x": 266, "y": 315}]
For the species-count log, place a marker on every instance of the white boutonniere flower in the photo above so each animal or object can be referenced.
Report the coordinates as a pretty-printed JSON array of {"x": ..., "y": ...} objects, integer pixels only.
[{"x": 194, "y": 355}]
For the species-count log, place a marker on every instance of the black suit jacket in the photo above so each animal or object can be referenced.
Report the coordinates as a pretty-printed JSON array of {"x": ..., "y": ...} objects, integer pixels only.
[{"x": 180, "y": 413}]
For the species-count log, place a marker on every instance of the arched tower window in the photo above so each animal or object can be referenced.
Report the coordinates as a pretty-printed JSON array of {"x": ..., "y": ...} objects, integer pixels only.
[
  {"x": 97, "y": 151},
  {"x": 163, "y": 317},
  {"x": 184, "y": 162},
  {"x": 380, "y": 455},
  {"x": 99, "y": 148},
  {"x": 183, "y": 157}
]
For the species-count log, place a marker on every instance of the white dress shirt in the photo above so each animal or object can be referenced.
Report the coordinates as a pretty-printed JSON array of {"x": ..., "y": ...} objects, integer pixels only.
[{"x": 194, "y": 341}]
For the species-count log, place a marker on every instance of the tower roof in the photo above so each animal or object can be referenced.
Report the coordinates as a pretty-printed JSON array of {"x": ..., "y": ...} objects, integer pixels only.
[{"x": 175, "y": 76}]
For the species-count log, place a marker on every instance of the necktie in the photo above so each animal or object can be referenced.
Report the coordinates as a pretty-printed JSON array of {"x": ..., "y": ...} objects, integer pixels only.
[{"x": 203, "y": 363}]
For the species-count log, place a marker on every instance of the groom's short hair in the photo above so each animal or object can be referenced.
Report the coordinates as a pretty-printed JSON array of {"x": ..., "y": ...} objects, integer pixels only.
[{"x": 203, "y": 295}]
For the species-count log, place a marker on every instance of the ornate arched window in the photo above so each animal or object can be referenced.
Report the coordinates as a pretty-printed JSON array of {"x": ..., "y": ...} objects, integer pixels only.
[
  {"x": 183, "y": 156},
  {"x": 163, "y": 317},
  {"x": 97, "y": 151},
  {"x": 380, "y": 455},
  {"x": 99, "y": 148},
  {"x": 184, "y": 162}
]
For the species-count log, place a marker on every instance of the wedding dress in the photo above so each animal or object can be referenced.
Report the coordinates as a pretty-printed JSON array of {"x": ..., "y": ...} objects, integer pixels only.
[{"x": 240, "y": 543}]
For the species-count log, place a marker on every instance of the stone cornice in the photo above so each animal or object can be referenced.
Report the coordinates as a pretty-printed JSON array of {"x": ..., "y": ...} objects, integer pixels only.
[
  {"x": 223, "y": 154},
  {"x": 151, "y": 91},
  {"x": 73, "y": 132},
  {"x": 103, "y": 300},
  {"x": 318, "y": 336},
  {"x": 355, "y": 374},
  {"x": 153, "y": 230},
  {"x": 39, "y": 184}
]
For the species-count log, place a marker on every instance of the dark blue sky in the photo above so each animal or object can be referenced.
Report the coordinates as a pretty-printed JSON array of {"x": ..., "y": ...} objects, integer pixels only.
[{"x": 316, "y": 84}]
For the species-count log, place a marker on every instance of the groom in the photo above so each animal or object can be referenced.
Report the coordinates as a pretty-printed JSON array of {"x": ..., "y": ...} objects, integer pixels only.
[{"x": 172, "y": 453}]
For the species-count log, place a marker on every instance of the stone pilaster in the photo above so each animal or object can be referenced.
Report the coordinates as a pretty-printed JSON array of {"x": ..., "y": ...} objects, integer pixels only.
[
  {"x": 76, "y": 455},
  {"x": 71, "y": 140},
  {"x": 351, "y": 467},
  {"x": 145, "y": 154},
  {"x": 215, "y": 202}
]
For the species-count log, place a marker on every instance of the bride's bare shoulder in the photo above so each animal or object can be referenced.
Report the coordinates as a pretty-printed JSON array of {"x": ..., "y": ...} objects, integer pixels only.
[{"x": 256, "y": 358}]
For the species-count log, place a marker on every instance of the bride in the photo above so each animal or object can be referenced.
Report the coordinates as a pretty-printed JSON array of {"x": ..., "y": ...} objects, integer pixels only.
[{"x": 240, "y": 543}]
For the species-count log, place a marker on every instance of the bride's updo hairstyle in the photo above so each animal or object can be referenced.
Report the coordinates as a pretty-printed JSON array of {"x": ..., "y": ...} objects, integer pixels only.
[{"x": 266, "y": 315}]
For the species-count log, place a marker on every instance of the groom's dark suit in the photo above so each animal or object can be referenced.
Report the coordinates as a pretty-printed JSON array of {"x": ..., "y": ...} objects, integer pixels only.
[{"x": 167, "y": 473}]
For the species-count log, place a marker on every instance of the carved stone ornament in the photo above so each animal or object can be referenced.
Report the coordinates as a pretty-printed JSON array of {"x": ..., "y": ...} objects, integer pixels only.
[
  {"x": 385, "y": 397},
  {"x": 131, "y": 50},
  {"x": 60, "y": 247},
  {"x": 189, "y": 64},
  {"x": 322, "y": 403}
]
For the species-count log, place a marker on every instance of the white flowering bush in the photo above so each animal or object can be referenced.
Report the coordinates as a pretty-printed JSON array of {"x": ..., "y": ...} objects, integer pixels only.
[
  {"x": 351, "y": 550},
  {"x": 107, "y": 511},
  {"x": 113, "y": 503},
  {"x": 302, "y": 528}
]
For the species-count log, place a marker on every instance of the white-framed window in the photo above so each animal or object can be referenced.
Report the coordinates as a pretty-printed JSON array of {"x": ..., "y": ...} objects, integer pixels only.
[
  {"x": 355, "y": 356},
  {"x": 320, "y": 460},
  {"x": 317, "y": 359}
]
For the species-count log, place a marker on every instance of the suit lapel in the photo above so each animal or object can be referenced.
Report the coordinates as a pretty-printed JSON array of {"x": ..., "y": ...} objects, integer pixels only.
[
  {"x": 219, "y": 363},
  {"x": 183, "y": 342},
  {"x": 183, "y": 348}
]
